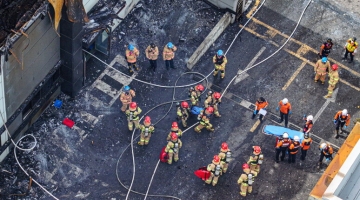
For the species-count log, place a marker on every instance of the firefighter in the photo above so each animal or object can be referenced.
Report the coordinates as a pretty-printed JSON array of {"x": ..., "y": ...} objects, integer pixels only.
[
  {"x": 341, "y": 119},
  {"x": 172, "y": 148},
  {"x": 183, "y": 112},
  {"x": 215, "y": 168},
  {"x": 219, "y": 61},
  {"x": 256, "y": 160},
  {"x": 308, "y": 123},
  {"x": 350, "y": 48},
  {"x": 174, "y": 129},
  {"x": 305, "y": 145},
  {"x": 204, "y": 118},
  {"x": 126, "y": 97},
  {"x": 325, "y": 151},
  {"x": 285, "y": 110},
  {"x": 225, "y": 156},
  {"x": 194, "y": 94},
  {"x": 282, "y": 146},
  {"x": 131, "y": 55},
  {"x": 213, "y": 100},
  {"x": 133, "y": 115},
  {"x": 152, "y": 53},
  {"x": 146, "y": 130},
  {"x": 169, "y": 54},
  {"x": 294, "y": 149},
  {"x": 325, "y": 48},
  {"x": 246, "y": 180},
  {"x": 321, "y": 68},
  {"x": 333, "y": 79},
  {"x": 261, "y": 103}
]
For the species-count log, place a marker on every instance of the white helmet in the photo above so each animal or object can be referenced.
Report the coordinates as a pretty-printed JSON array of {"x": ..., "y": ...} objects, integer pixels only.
[
  {"x": 285, "y": 101},
  {"x": 344, "y": 112},
  {"x": 323, "y": 146},
  {"x": 285, "y": 135},
  {"x": 296, "y": 138},
  {"x": 309, "y": 118}
]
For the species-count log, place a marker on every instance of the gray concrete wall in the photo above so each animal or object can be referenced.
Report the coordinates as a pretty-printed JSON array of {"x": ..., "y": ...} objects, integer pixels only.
[{"x": 38, "y": 53}]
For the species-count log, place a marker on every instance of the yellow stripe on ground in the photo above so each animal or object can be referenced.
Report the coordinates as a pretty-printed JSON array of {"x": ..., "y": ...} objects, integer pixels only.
[
  {"x": 257, "y": 2},
  {"x": 294, "y": 75},
  {"x": 255, "y": 126}
]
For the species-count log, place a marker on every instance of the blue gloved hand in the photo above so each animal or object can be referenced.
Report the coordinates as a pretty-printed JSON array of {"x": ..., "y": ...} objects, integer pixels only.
[
  {"x": 277, "y": 108},
  {"x": 345, "y": 127},
  {"x": 304, "y": 116},
  {"x": 335, "y": 121},
  {"x": 290, "y": 112},
  {"x": 327, "y": 160},
  {"x": 254, "y": 112}
]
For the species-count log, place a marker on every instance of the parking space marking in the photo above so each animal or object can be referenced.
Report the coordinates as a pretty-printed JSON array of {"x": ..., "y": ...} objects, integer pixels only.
[
  {"x": 101, "y": 85},
  {"x": 294, "y": 76},
  {"x": 251, "y": 63}
]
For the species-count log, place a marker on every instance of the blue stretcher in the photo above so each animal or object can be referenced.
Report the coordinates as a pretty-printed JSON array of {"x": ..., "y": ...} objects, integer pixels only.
[{"x": 279, "y": 130}]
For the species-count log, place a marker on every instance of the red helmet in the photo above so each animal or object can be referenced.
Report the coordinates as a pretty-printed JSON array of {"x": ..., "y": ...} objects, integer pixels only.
[
  {"x": 217, "y": 95},
  {"x": 335, "y": 67},
  {"x": 224, "y": 146},
  {"x": 216, "y": 159},
  {"x": 210, "y": 110},
  {"x": 245, "y": 166},
  {"x": 174, "y": 125},
  {"x": 200, "y": 87},
  {"x": 257, "y": 149},
  {"x": 174, "y": 136},
  {"x": 184, "y": 104},
  {"x": 147, "y": 120},
  {"x": 133, "y": 105}
]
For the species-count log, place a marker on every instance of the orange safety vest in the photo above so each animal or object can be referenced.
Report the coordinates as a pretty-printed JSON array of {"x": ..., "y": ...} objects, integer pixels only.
[
  {"x": 294, "y": 147},
  {"x": 260, "y": 105},
  {"x": 282, "y": 143},
  {"x": 306, "y": 144},
  {"x": 284, "y": 108}
]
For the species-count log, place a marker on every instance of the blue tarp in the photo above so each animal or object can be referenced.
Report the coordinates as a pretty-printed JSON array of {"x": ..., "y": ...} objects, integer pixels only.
[
  {"x": 279, "y": 130},
  {"x": 196, "y": 110}
]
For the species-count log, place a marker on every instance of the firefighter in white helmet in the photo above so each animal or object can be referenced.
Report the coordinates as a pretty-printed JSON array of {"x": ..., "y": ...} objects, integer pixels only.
[
  {"x": 294, "y": 149},
  {"x": 282, "y": 146},
  {"x": 341, "y": 119}
]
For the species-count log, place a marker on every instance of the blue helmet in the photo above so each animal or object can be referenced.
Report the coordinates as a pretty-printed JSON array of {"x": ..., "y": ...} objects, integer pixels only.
[
  {"x": 220, "y": 53},
  {"x": 324, "y": 59},
  {"x": 170, "y": 45},
  {"x": 131, "y": 47},
  {"x": 126, "y": 88}
]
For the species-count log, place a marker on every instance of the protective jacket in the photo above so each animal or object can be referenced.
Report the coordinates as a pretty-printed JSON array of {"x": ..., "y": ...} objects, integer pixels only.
[
  {"x": 131, "y": 55},
  {"x": 182, "y": 112},
  {"x": 127, "y": 98},
  {"x": 171, "y": 146},
  {"x": 322, "y": 68},
  {"x": 169, "y": 54},
  {"x": 284, "y": 108},
  {"x": 341, "y": 118},
  {"x": 152, "y": 53},
  {"x": 334, "y": 77},
  {"x": 261, "y": 105},
  {"x": 294, "y": 147},
  {"x": 351, "y": 47},
  {"x": 305, "y": 144},
  {"x": 308, "y": 125},
  {"x": 220, "y": 60},
  {"x": 133, "y": 115},
  {"x": 283, "y": 143},
  {"x": 211, "y": 101}
]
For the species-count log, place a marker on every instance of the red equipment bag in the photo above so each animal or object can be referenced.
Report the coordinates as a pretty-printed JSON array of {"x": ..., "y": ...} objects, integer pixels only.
[
  {"x": 68, "y": 122},
  {"x": 202, "y": 173},
  {"x": 163, "y": 155}
]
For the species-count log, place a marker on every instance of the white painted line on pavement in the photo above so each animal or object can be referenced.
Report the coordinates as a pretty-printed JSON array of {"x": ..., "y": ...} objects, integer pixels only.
[
  {"x": 105, "y": 88},
  {"x": 251, "y": 63},
  {"x": 323, "y": 107}
]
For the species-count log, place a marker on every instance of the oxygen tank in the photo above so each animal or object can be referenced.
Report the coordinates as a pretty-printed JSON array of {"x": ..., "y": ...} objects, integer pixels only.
[
  {"x": 250, "y": 179},
  {"x": 217, "y": 170},
  {"x": 131, "y": 116},
  {"x": 261, "y": 158},
  {"x": 228, "y": 157},
  {"x": 146, "y": 132},
  {"x": 176, "y": 147}
]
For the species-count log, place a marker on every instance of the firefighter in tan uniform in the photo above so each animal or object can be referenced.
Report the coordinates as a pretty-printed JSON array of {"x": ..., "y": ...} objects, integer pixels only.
[
  {"x": 131, "y": 55},
  {"x": 152, "y": 53},
  {"x": 213, "y": 100},
  {"x": 215, "y": 169},
  {"x": 321, "y": 68},
  {"x": 204, "y": 118},
  {"x": 146, "y": 131},
  {"x": 133, "y": 115},
  {"x": 169, "y": 54},
  {"x": 256, "y": 160},
  {"x": 183, "y": 112},
  {"x": 174, "y": 129},
  {"x": 126, "y": 97},
  {"x": 334, "y": 78},
  {"x": 225, "y": 156},
  {"x": 219, "y": 61},
  {"x": 195, "y": 93},
  {"x": 172, "y": 148},
  {"x": 246, "y": 180}
]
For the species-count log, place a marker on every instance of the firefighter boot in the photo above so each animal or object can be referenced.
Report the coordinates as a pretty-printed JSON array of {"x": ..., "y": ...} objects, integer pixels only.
[
  {"x": 215, "y": 72},
  {"x": 130, "y": 70},
  {"x": 222, "y": 74}
]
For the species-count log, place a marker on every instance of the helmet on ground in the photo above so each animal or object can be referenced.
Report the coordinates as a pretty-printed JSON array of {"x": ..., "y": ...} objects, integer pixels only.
[
  {"x": 147, "y": 120},
  {"x": 170, "y": 45},
  {"x": 126, "y": 88},
  {"x": 209, "y": 110},
  {"x": 216, "y": 159},
  {"x": 174, "y": 136},
  {"x": 217, "y": 95},
  {"x": 200, "y": 87},
  {"x": 152, "y": 45},
  {"x": 261, "y": 99},
  {"x": 174, "y": 125},
  {"x": 306, "y": 135},
  {"x": 296, "y": 138},
  {"x": 309, "y": 118},
  {"x": 245, "y": 166},
  {"x": 184, "y": 104},
  {"x": 344, "y": 112},
  {"x": 285, "y": 135},
  {"x": 133, "y": 105},
  {"x": 323, "y": 146},
  {"x": 131, "y": 47},
  {"x": 257, "y": 149},
  {"x": 224, "y": 146},
  {"x": 285, "y": 101},
  {"x": 329, "y": 40},
  {"x": 335, "y": 67},
  {"x": 324, "y": 59},
  {"x": 220, "y": 53}
]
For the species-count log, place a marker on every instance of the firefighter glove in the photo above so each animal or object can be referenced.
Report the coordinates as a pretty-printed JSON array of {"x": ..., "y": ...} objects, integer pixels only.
[
  {"x": 277, "y": 108},
  {"x": 334, "y": 121}
]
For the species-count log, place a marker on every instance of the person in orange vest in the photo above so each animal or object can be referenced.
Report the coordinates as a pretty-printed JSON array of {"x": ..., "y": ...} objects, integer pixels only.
[
  {"x": 152, "y": 53},
  {"x": 308, "y": 123},
  {"x": 282, "y": 146},
  {"x": 246, "y": 180},
  {"x": 174, "y": 129},
  {"x": 256, "y": 160},
  {"x": 131, "y": 54},
  {"x": 215, "y": 168},
  {"x": 169, "y": 54},
  {"x": 261, "y": 103},
  {"x": 325, "y": 151},
  {"x": 225, "y": 156},
  {"x": 341, "y": 119},
  {"x": 321, "y": 68},
  {"x": 305, "y": 145},
  {"x": 325, "y": 48},
  {"x": 350, "y": 48},
  {"x": 285, "y": 110},
  {"x": 294, "y": 149}
]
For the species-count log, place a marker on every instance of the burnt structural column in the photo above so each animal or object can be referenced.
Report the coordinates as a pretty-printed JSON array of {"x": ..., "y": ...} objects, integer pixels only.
[{"x": 72, "y": 68}]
